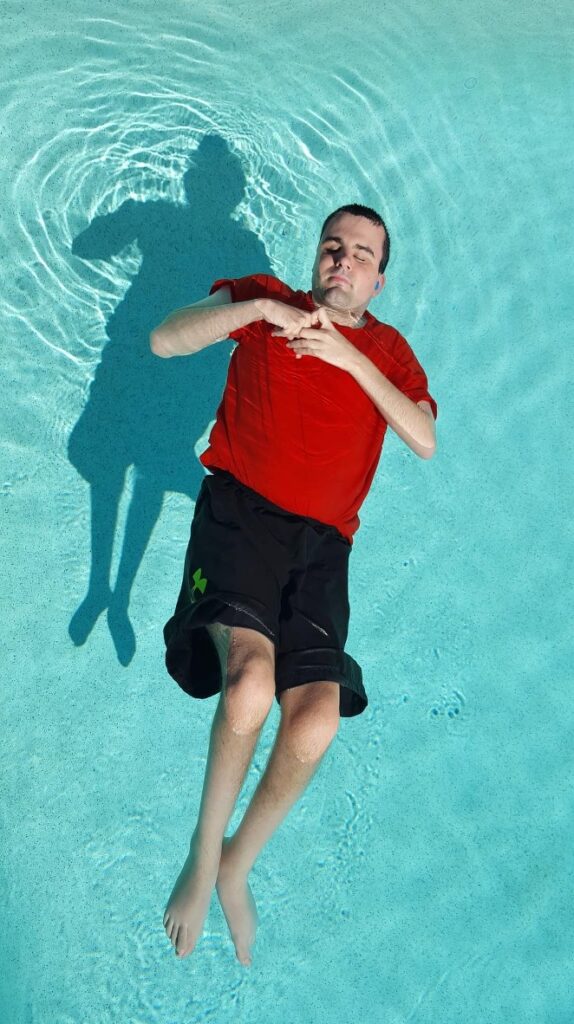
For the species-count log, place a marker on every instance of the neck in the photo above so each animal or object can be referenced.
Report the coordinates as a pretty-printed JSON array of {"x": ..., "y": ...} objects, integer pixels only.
[{"x": 345, "y": 317}]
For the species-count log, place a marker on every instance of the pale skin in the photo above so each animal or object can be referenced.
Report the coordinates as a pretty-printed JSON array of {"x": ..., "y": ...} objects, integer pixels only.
[{"x": 351, "y": 246}]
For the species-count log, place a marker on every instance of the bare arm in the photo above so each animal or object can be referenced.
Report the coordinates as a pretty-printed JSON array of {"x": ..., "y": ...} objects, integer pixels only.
[
  {"x": 195, "y": 327},
  {"x": 212, "y": 319},
  {"x": 412, "y": 421}
]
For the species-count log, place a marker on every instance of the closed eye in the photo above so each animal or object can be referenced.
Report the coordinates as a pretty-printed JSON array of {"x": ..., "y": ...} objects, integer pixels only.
[{"x": 359, "y": 258}]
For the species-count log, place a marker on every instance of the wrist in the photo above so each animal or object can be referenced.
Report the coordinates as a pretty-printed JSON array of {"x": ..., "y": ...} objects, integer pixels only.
[
  {"x": 259, "y": 306},
  {"x": 357, "y": 363}
]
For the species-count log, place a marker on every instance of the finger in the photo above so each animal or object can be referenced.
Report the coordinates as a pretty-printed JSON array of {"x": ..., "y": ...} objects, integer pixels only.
[
  {"x": 298, "y": 348},
  {"x": 311, "y": 334}
]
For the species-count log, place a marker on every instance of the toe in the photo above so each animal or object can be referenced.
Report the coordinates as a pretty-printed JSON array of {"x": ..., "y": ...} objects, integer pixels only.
[
  {"x": 243, "y": 951},
  {"x": 181, "y": 944}
]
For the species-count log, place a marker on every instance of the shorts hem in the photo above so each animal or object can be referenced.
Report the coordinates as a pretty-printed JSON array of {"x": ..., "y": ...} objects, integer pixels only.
[{"x": 340, "y": 669}]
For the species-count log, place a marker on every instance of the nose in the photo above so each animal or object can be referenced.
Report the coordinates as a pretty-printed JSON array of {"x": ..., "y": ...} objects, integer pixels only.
[{"x": 342, "y": 261}]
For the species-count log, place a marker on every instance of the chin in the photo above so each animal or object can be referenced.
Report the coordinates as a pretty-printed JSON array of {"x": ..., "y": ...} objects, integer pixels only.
[{"x": 336, "y": 296}]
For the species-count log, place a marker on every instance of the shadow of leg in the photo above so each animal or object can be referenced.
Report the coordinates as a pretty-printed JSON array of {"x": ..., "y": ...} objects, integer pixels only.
[
  {"x": 104, "y": 501},
  {"x": 143, "y": 513}
]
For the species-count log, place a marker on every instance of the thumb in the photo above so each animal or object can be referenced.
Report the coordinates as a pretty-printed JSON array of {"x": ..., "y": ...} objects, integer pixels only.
[{"x": 324, "y": 317}]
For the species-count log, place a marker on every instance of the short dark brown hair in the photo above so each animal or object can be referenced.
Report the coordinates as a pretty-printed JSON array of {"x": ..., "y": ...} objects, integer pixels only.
[{"x": 374, "y": 217}]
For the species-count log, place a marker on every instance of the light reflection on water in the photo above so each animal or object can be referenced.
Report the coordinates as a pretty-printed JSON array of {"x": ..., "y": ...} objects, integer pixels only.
[{"x": 147, "y": 155}]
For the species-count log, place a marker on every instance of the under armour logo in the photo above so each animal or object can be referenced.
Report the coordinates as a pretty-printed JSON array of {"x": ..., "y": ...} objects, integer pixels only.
[{"x": 199, "y": 583}]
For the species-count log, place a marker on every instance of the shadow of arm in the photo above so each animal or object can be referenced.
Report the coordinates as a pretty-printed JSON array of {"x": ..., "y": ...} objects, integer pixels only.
[{"x": 108, "y": 235}]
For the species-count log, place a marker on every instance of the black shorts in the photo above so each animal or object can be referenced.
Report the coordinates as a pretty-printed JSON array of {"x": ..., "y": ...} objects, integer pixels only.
[{"x": 250, "y": 563}]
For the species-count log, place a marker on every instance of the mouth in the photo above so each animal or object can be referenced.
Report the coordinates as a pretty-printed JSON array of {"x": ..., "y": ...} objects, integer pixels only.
[{"x": 339, "y": 277}]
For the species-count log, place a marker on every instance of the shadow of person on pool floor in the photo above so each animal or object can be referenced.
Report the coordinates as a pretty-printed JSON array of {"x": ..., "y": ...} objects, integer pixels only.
[{"x": 143, "y": 411}]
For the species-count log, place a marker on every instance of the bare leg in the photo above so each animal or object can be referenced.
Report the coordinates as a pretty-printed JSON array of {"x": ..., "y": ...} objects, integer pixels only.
[
  {"x": 248, "y": 693},
  {"x": 309, "y": 720}
]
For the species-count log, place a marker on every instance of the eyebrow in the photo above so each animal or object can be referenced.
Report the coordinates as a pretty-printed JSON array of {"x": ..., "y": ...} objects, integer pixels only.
[{"x": 335, "y": 238}]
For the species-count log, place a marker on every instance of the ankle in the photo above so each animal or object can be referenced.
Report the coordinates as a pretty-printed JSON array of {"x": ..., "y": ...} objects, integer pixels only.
[
  {"x": 233, "y": 860},
  {"x": 205, "y": 849}
]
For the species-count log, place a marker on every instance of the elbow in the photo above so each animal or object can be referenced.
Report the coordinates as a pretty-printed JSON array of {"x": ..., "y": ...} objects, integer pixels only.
[
  {"x": 427, "y": 453},
  {"x": 424, "y": 451},
  {"x": 427, "y": 450},
  {"x": 157, "y": 345}
]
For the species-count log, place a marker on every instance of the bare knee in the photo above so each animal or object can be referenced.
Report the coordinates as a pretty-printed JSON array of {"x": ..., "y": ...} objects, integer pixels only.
[
  {"x": 250, "y": 680},
  {"x": 247, "y": 703},
  {"x": 310, "y": 719}
]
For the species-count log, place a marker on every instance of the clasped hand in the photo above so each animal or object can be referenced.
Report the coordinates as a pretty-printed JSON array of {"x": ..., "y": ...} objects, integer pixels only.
[{"x": 325, "y": 342}]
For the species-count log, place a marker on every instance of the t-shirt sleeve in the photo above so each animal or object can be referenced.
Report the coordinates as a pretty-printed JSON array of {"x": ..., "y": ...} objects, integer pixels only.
[
  {"x": 255, "y": 286},
  {"x": 407, "y": 374}
]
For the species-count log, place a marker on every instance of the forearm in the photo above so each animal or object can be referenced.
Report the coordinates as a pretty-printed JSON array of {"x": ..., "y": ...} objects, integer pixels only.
[
  {"x": 190, "y": 329},
  {"x": 411, "y": 423}
]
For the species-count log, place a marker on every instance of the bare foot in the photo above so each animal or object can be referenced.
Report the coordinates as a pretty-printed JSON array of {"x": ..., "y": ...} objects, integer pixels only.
[
  {"x": 189, "y": 902},
  {"x": 238, "y": 905}
]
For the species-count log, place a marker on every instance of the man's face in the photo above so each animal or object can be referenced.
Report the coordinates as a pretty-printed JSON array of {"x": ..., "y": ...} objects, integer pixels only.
[{"x": 346, "y": 266}]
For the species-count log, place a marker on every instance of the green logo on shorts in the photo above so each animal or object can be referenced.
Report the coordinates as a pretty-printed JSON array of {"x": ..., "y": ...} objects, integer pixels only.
[{"x": 199, "y": 583}]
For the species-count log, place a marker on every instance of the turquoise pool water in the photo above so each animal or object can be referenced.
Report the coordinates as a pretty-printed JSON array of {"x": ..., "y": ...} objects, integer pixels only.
[{"x": 425, "y": 875}]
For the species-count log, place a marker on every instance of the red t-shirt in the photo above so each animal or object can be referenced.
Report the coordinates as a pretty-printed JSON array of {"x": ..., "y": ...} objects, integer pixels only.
[{"x": 301, "y": 432}]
